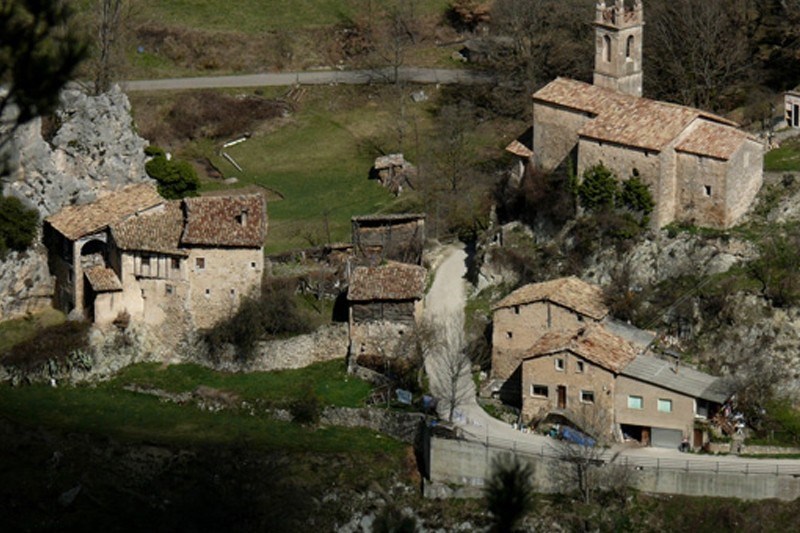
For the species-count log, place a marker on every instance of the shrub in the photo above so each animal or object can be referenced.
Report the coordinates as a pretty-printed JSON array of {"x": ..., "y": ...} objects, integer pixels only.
[
  {"x": 509, "y": 492},
  {"x": 636, "y": 196},
  {"x": 18, "y": 225},
  {"x": 306, "y": 409},
  {"x": 776, "y": 270},
  {"x": 176, "y": 179},
  {"x": 599, "y": 189},
  {"x": 272, "y": 313},
  {"x": 56, "y": 342}
]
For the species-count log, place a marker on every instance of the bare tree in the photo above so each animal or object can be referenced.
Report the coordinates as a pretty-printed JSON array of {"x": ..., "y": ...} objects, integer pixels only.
[
  {"x": 110, "y": 15},
  {"x": 697, "y": 49},
  {"x": 448, "y": 367}
]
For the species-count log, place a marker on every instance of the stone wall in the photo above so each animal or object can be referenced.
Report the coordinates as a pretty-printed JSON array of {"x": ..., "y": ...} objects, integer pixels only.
[
  {"x": 555, "y": 134},
  {"x": 401, "y": 426},
  {"x": 325, "y": 344}
]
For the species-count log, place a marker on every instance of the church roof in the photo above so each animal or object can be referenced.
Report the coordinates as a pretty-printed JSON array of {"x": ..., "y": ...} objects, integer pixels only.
[
  {"x": 570, "y": 292},
  {"x": 714, "y": 140},
  {"x": 76, "y": 221},
  {"x": 594, "y": 343},
  {"x": 638, "y": 122}
]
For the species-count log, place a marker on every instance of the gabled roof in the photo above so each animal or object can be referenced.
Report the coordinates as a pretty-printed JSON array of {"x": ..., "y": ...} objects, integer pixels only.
[
  {"x": 594, "y": 343},
  {"x": 392, "y": 281},
  {"x": 711, "y": 139},
  {"x": 522, "y": 146},
  {"x": 630, "y": 120},
  {"x": 571, "y": 292},
  {"x": 158, "y": 230},
  {"x": 103, "y": 279},
  {"x": 76, "y": 221},
  {"x": 685, "y": 380},
  {"x": 217, "y": 221}
]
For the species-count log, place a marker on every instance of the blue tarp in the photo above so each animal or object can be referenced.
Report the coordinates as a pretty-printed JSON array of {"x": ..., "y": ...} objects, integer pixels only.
[{"x": 576, "y": 437}]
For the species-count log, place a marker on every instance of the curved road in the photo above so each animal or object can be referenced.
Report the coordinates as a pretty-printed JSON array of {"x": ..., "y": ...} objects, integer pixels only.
[
  {"x": 444, "y": 310},
  {"x": 320, "y": 77}
]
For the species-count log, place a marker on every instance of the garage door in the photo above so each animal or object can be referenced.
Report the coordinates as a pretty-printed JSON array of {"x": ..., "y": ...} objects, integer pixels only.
[{"x": 666, "y": 438}]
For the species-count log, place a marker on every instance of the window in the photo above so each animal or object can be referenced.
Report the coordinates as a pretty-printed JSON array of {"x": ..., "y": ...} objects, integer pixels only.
[
  {"x": 607, "y": 47},
  {"x": 707, "y": 190},
  {"x": 169, "y": 289},
  {"x": 580, "y": 367},
  {"x": 208, "y": 292},
  {"x": 664, "y": 405},
  {"x": 516, "y": 309},
  {"x": 509, "y": 335},
  {"x": 635, "y": 402},
  {"x": 587, "y": 396},
  {"x": 539, "y": 390},
  {"x": 145, "y": 260},
  {"x": 629, "y": 47},
  {"x": 560, "y": 364},
  {"x": 252, "y": 264},
  {"x": 200, "y": 263},
  {"x": 241, "y": 218},
  {"x": 580, "y": 318},
  {"x": 233, "y": 292},
  {"x": 176, "y": 263}
]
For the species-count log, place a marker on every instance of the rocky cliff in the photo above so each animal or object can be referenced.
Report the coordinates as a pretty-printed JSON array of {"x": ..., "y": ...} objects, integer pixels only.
[{"x": 88, "y": 149}]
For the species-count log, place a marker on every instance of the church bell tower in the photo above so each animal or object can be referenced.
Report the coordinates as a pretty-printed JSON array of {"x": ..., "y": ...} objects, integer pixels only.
[{"x": 618, "y": 46}]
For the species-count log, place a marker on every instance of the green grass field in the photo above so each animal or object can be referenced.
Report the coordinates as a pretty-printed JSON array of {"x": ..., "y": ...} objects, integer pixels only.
[
  {"x": 254, "y": 16},
  {"x": 108, "y": 409},
  {"x": 784, "y": 159}
]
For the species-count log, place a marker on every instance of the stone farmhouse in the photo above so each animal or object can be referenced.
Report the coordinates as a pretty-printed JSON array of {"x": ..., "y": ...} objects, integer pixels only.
[
  {"x": 527, "y": 314},
  {"x": 187, "y": 262},
  {"x": 604, "y": 384},
  {"x": 385, "y": 307},
  {"x": 700, "y": 167}
]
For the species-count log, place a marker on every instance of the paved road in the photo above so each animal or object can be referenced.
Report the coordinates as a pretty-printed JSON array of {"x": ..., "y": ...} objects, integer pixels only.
[
  {"x": 444, "y": 308},
  {"x": 321, "y": 77}
]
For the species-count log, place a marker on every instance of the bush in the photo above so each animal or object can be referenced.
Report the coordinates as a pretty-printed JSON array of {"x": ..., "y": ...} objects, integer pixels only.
[
  {"x": 273, "y": 313},
  {"x": 18, "y": 225},
  {"x": 599, "y": 189},
  {"x": 306, "y": 409},
  {"x": 56, "y": 342},
  {"x": 776, "y": 270},
  {"x": 176, "y": 179}
]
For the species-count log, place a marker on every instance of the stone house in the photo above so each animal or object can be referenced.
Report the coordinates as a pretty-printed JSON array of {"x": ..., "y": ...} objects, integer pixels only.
[
  {"x": 605, "y": 385},
  {"x": 527, "y": 314},
  {"x": 699, "y": 167},
  {"x": 379, "y": 238},
  {"x": 187, "y": 262},
  {"x": 385, "y": 306},
  {"x": 791, "y": 102}
]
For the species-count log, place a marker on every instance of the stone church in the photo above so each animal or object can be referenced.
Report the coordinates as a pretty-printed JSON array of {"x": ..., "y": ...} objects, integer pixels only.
[{"x": 700, "y": 168}]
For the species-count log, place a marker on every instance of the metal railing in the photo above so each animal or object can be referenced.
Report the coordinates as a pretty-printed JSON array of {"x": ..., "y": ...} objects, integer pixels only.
[{"x": 555, "y": 450}]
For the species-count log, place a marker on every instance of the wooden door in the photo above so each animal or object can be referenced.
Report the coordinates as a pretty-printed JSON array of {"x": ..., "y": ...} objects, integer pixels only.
[
  {"x": 562, "y": 396},
  {"x": 646, "y": 436},
  {"x": 697, "y": 442}
]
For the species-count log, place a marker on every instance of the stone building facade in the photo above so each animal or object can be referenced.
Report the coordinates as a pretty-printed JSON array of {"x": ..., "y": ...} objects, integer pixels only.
[
  {"x": 186, "y": 262},
  {"x": 385, "y": 307},
  {"x": 606, "y": 386},
  {"x": 700, "y": 167},
  {"x": 528, "y": 313},
  {"x": 791, "y": 103}
]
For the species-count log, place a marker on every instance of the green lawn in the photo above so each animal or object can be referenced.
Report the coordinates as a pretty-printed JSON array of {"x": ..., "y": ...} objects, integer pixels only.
[
  {"x": 107, "y": 409},
  {"x": 254, "y": 16},
  {"x": 784, "y": 159},
  {"x": 318, "y": 164},
  {"x": 18, "y": 330},
  {"x": 329, "y": 380}
]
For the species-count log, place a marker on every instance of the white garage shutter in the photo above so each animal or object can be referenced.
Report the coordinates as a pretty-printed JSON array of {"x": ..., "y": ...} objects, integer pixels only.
[{"x": 666, "y": 438}]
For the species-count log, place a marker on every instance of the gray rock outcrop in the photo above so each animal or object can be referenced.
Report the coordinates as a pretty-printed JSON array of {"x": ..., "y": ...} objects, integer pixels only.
[{"x": 95, "y": 149}]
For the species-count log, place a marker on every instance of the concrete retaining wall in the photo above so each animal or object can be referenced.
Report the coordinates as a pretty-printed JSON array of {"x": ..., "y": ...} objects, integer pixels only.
[{"x": 459, "y": 468}]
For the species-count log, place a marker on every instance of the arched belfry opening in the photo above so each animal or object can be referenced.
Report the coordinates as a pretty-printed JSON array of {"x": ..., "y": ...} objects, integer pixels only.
[{"x": 619, "y": 28}]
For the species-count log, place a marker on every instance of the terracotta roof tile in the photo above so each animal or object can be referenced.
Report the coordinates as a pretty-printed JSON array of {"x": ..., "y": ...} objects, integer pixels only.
[
  {"x": 158, "y": 230},
  {"x": 76, "y": 221},
  {"x": 594, "y": 343},
  {"x": 216, "y": 221},
  {"x": 715, "y": 140},
  {"x": 570, "y": 292},
  {"x": 622, "y": 118},
  {"x": 392, "y": 281},
  {"x": 103, "y": 279}
]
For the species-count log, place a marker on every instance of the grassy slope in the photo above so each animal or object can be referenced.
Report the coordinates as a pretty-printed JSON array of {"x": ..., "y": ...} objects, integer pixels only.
[
  {"x": 254, "y": 16},
  {"x": 18, "y": 330},
  {"x": 108, "y": 409},
  {"x": 784, "y": 159}
]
